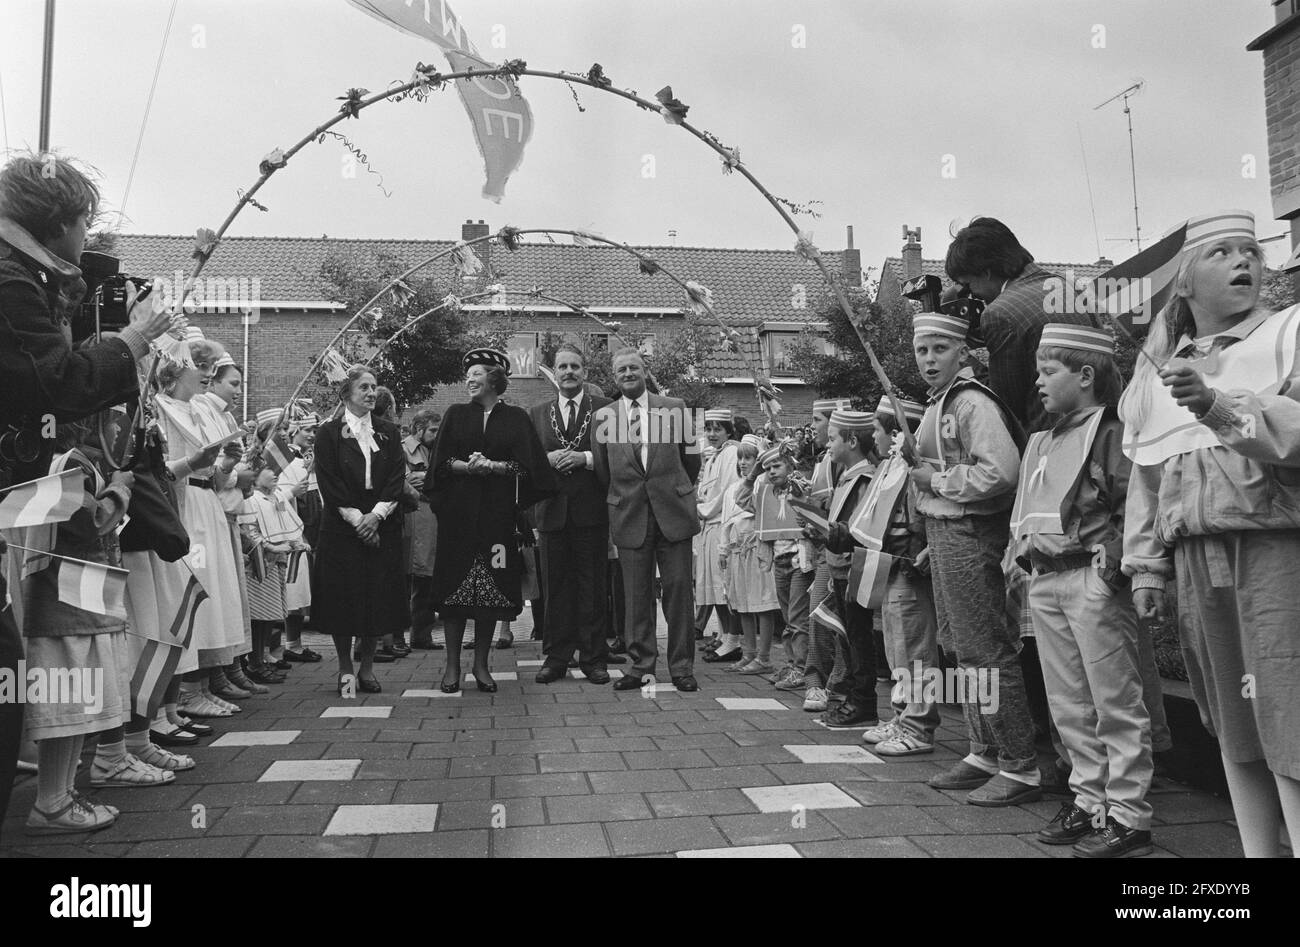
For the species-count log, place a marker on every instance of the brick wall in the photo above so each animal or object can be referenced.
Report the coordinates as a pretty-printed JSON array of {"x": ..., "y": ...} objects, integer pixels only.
[
  {"x": 1282, "y": 111},
  {"x": 283, "y": 344}
]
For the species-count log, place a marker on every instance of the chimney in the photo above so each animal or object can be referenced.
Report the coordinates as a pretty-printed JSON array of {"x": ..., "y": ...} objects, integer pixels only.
[
  {"x": 472, "y": 231},
  {"x": 851, "y": 262},
  {"x": 911, "y": 252}
]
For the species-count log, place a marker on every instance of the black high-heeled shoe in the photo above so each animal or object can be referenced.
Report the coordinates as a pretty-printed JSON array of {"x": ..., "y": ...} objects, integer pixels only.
[
  {"x": 484, "y": 688},
  {"x": 451, "y": 688},
  {"x": 368, "y": 685}
]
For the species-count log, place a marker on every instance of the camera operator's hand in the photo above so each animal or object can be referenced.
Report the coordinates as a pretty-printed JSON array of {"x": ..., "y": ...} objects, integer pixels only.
[{"x": 149, "y": 321}]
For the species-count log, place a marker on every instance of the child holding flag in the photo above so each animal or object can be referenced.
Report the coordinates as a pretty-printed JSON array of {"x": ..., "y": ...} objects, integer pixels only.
[
  {"x": 74, "y": 620},
  {"x": 965, "y": 482},
  {"x": 274, "y": 530},
  {"x": 817, "y": 649},
  {"x": 1214, "y": 500},
  {"x": 1067, "y": 531},
  {"x": 848, "y": 444},
  {"x": 892, "y": 525},
  {"x": 746, "y": 562}
]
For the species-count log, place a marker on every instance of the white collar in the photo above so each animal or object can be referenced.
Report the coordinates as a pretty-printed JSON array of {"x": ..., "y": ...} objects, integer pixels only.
[
  {"x": 563, "y": 399},
  {"x": 643, "y": 400},
  {"x": 357, "y": 422}
]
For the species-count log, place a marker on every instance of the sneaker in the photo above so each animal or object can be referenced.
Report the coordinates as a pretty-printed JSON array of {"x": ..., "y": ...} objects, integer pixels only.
[
  {"x": 793, "y": 681},
  {"x": 1068, "y": 826},
  {"x": 881, "y": 733},
  {"x": 128, "y": 773},
  {"x": 814, "y": 700},
  {"x": 904, "y": 743},
  {"x": 848, "y": 717},
  {"x": 79, "y": 815},
  {"x": 1116, "y": 840}
]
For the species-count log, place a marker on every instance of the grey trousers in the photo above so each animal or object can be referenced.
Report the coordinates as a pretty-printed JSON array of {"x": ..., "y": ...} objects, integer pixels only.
[{"x": 638, "y": 566}]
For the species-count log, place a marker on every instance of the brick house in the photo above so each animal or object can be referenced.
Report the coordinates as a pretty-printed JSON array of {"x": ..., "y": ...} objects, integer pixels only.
[
  {"x": 1281, "y": 48},
  {"x": 768, "y": 295}
]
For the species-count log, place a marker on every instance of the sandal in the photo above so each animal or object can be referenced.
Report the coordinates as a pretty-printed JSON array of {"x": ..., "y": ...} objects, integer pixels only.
[
  {"x": 165, "y": 760},
  {"x": 76, "y": 816},
  {"x": 199, "y": 706},
  {"x": 223, "y": 703},
  {"x": 129, "y": 773}
]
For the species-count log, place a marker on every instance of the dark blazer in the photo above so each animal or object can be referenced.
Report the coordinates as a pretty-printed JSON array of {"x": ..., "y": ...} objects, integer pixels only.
[
  {"x": 664, "y": 488},
  {"x": 357, "y": 589},
  {"x": 39, "y": 371},
  {"x": 581, "y": 497}
]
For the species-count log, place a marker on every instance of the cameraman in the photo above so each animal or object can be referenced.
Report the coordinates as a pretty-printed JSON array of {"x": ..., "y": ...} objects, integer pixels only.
[{"x": 46, "y": 207}]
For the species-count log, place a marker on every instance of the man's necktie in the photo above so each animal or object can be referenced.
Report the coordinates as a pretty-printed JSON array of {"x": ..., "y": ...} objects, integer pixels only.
[
  {"x": 569, "y": 426},
  {"x": 634, "y": 426}
]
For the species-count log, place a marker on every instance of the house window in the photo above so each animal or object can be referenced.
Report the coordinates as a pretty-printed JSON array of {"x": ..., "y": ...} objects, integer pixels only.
[
  {"x": 522, "y": 350},
  {"x": 777, "y": 345},
  {"x": 598, "y": 341}
]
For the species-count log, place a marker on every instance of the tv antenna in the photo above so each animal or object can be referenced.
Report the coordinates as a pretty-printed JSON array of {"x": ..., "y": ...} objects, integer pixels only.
[{"x": 1127, "y": 94}]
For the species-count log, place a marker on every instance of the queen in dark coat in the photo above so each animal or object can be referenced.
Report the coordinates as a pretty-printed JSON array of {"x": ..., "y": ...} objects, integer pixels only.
[
  {"x": 488, "y": 465},
  {"x": 359, "y": 584}
]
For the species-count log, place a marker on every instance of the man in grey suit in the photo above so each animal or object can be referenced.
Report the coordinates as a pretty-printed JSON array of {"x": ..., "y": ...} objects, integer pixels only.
[{"x": 645, "y": 452}]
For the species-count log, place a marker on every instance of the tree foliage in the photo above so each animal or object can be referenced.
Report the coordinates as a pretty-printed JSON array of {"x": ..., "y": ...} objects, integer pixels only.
[{"x": 847, "y": 372}]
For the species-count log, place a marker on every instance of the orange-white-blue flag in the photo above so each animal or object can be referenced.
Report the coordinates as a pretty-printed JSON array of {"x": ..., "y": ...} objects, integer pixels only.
[
  {"x": 93, "y": 587},
  {"x": 51, "y": 499},
  {"x": 869, "y": 576}
]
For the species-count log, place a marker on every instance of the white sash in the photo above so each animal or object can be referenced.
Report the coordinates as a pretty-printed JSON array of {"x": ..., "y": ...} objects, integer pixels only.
[{"x": 1259, "y": 363}]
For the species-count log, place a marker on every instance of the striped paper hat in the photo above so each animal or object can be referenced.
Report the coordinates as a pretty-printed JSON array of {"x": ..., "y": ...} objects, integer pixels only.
[
  {"x": 717, "y": 414},
  {"x": 936, "y": 323},
  {"x": 754, "y": 439},
  {"x": 306, "y": 422},
  {"x": 1060, "y": 335},
  {"x": 267, "y": 416},
  {"x": 769, "y": 455},
  {"x": 1210, "y": 227},
  {"x": 194, "y": 334},
  {"x": 854, "y": 420},
  {"x": 913, "y": 411},
  {"x": 827, "y": 405},
  {"x": 224, "y": 361}
]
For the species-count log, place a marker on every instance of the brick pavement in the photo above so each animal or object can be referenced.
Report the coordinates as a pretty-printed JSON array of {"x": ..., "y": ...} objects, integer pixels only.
[{"x": 567, "y": 769}]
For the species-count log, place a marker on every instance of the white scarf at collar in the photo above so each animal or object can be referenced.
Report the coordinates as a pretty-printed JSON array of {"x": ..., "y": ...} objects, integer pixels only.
[{"x": 363, "y": 430}]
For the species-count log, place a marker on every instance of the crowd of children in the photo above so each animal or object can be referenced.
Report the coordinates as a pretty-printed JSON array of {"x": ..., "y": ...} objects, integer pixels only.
[
  {"x": 931, "y": 519},
  {"x": 165, "y": 664}
]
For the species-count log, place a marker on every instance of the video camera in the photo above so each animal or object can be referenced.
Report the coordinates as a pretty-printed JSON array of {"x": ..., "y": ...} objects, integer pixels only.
[
  {"x": 104, "y": 307},
  {"x": 928, "y": 291}
]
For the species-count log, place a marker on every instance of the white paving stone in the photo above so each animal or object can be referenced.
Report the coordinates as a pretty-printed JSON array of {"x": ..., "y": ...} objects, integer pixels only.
[
  {"x": 529, "y": 664},
  {"x": 256, "y": 738},
  {"x": 827, "y": 753},
  {"x": 577, "y": 675},
  {"x": 382, "y": 819},
  {"x": 808, "y": 795},
  {"x": 741, "y": 851},
  {"x": 496, "y": 676},
  {"x": 751, "y": 703},
  {"x": 425, "y": 692},
  {"x": 380, "y": 712},
  {"x": 293, "y": 771}
]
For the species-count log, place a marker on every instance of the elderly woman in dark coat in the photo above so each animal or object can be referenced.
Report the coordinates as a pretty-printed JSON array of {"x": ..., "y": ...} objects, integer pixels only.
[
  {"x": 488, "y": 465},
  {"x": 359, "y": 588}
]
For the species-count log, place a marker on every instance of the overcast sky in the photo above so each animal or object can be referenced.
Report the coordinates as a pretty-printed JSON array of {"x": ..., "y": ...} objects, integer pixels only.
[{"x": 861, "y": 118}]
